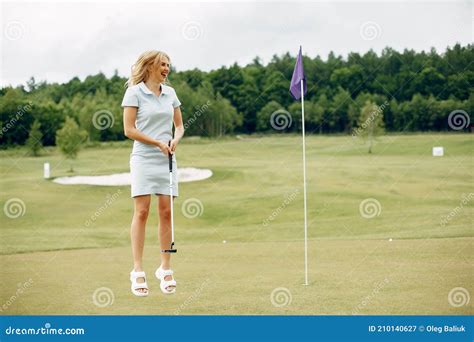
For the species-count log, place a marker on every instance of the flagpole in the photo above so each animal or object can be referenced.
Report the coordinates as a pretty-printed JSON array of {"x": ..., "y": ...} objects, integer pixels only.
[{"x": 304, "y": 190}]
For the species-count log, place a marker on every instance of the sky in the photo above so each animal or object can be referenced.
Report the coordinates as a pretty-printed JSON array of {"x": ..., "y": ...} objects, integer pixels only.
[{"x": 55, "y": 41}]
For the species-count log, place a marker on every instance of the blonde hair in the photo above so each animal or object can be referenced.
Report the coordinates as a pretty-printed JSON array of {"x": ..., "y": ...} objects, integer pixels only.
[{"x": 141, "y": 68}]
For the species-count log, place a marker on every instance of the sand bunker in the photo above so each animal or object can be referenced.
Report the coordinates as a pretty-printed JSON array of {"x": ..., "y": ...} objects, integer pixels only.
[{"x": 187, "y": 174}]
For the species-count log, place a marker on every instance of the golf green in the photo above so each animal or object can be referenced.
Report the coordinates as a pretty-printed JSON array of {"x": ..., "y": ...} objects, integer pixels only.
[{"x": 389, "y": 232}]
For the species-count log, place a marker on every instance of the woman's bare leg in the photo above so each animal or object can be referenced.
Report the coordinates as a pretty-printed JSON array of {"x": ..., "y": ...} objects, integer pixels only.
[
  {"x": 164, "y": 210},
  {"x": 137, "y": 232}
]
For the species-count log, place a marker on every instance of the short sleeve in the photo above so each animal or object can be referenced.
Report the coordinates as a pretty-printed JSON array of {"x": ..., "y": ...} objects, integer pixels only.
[
  {"x": 130, "y": 99},
  {"x": 176, "y": 101}
]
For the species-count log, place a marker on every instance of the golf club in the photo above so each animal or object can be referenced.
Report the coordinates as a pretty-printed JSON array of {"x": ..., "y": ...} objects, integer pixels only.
[{"x": 171, "y": 249}]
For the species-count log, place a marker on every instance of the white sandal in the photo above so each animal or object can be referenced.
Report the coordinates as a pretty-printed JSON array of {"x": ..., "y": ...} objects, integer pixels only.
[
  {"x": 165, "y": 284},
  {"x": 135, "y": 285}
]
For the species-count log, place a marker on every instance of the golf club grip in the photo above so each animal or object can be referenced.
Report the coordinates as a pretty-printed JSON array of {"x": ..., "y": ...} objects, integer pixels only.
[{"x": 170, "y": 157}]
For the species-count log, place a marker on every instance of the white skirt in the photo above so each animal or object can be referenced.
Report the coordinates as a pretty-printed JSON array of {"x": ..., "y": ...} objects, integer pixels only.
[{"x": 150, "y": 174}]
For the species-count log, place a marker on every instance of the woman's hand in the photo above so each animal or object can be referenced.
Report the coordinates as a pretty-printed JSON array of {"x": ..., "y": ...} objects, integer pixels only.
[
  {"x": 164, "y": 148},
  {"x": 174, "y": 144}
]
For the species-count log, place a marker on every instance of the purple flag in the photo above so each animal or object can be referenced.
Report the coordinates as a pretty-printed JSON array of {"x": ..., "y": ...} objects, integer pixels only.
[{"x": 298, "y": 75}]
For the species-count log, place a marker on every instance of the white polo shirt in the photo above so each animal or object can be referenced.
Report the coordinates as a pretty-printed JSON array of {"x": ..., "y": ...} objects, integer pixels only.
[{"x": 154, "y": 115}]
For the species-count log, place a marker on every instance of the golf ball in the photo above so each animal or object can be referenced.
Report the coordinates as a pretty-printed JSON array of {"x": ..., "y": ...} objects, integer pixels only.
[
  {"x": 224, "y": 241},
  {"x": 390, "y": 240}
]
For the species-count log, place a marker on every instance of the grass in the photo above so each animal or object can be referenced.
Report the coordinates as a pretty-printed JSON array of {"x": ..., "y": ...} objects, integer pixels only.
[{"x": 254, "y": 202}]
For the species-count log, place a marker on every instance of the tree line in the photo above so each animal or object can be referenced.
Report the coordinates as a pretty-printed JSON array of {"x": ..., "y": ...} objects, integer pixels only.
[{"x": 417, "y": 90}]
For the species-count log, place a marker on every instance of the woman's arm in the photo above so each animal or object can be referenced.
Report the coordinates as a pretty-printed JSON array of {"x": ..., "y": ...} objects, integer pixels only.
[
  {"x": 178, "y": 124},
  {"x": 130, "y": 131},
  {"x": 178, "y": 128}
]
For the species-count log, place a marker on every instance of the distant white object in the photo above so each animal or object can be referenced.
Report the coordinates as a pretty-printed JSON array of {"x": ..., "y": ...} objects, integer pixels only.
[
  {"x": 46, "y": 170},
  {"x": 224, "y": 241},
  {"x": 188, "y": 174},
  {"x": 390, "y": 240},
  {"x": 438, "y": 151}
]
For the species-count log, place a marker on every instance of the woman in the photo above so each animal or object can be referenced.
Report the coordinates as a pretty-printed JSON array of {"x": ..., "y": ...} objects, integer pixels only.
[{"x": 150, "y": 108}]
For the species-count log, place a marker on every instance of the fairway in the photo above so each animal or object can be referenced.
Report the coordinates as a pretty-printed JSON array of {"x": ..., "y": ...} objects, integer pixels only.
[{"x": 389, "y": 232}]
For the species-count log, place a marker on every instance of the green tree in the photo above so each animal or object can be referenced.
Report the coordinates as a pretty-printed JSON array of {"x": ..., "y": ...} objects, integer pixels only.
[
  {"x": 34, "y": 139},
  {"x": 422, "y": 87},
  {"x": 223, "y": 117},
  {"x": 322, "y": 112},
  {"x": 295, "y": 111},
  {"x": 429, "y": 82},
  {"x": 69, "y": 139},
  {"x": 370, "y": 123},
  {"x": 339, "y": 118},
  {"x": 273, "y": 117},
  {"x": 15, "y": 117},
  {"x": 51, "y": 116},
  {"x": 248, "y": 101},
  {"x": 348, "y": 78}
]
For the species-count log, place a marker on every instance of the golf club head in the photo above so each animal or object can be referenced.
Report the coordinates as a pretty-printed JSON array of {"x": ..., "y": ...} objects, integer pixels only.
[{"x": 170, "y": 250}]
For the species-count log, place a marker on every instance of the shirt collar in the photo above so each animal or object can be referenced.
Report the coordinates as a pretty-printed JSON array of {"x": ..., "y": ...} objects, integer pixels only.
[{"x": 144, "y": 88}]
